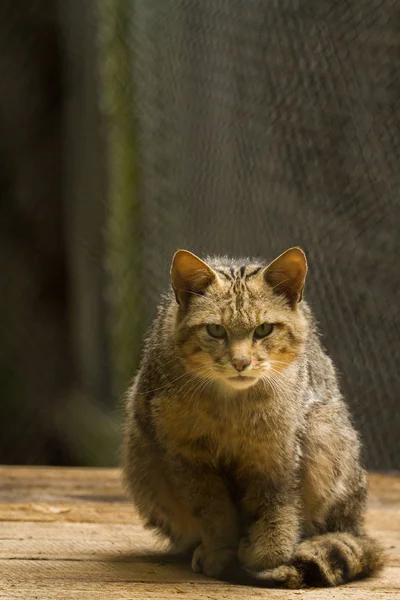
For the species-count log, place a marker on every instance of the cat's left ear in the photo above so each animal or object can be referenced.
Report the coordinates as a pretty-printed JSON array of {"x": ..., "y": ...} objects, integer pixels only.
[
  {"x": 287, "y": 274},
  {"x": 190, "y": 275}
]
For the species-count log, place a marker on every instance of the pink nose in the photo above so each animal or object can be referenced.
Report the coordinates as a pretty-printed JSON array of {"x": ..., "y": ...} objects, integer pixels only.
[{"x": 240, "y": 363}]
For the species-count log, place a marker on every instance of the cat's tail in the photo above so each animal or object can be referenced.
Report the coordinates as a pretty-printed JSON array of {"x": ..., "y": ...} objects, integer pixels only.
[
  {"x": 326, "y": 560},
  {"x": 329, "y": 560}
]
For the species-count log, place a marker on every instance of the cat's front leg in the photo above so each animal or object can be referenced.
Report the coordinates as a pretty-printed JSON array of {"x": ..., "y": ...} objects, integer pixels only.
[
  {"x": 272, "y": 525},
  {"x": 205, "y": 493}
]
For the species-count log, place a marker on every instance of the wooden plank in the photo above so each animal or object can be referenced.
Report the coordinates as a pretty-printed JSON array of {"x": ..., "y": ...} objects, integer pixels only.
[
  {"x": 74, "y": 541},
  {"x": 36, "y": 483},
  {"x": 144, "y": 591},
  {"x": 123, "y": 512},
  {"x": 91, "y": 541},
  {"x": 383, "y": 489},
  {"x": 89, "y": 512},
  {"x": 89, "y": 494},
  {"x": 45, "y": 573},
  {"x": 77, "y": 549},
  {"x": 33, "y": 483},
  {"x": 383, "y": 518},
  {"x": 71, "y": 533}
]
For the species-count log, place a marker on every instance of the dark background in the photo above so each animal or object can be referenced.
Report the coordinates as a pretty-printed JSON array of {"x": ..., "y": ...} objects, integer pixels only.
[{"x": 131, "y": 128}]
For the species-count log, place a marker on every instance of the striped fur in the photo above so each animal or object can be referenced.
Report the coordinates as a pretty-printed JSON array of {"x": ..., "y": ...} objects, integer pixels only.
[
  {"x": 240, "y": 447},
  {"x": 330, "y": 560}
]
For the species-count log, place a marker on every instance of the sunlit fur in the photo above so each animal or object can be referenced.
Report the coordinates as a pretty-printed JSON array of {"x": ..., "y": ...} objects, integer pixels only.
[{"x": 265, "y": 470}]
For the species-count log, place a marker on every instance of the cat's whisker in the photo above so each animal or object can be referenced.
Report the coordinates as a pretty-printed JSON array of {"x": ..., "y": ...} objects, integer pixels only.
[
  {"x": 274, "y": 364},
  {"x": 196, "y": 385},
  {"x": 280, "y": 386},
  {"x": 280, "y": 374},
  {"x": 273, "y": 381},
  {"x": 169, "y": 382},
  {"x": 191, "y": 385},
  {"x": 196, "y": 378},
  {"x": 200, "y": 389},
  {"x": 276, "y": 377},
  {"x": 188, "y": 374},
  {"x": 269, "y": 384},
  {"x": 279, "y": 362}
]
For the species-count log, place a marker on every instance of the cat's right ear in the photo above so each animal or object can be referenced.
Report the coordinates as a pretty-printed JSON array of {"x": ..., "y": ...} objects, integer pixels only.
[
  {"x": 190, "y": 275},
  {"x": 287, "y": 273}
]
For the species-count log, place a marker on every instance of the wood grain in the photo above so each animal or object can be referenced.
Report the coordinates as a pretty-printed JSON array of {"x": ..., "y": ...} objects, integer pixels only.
[{"x": 71, "y": 533}]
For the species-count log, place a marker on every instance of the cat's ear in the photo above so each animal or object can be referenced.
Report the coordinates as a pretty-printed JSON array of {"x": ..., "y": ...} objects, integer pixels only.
[
  {"x": 287, "y": 273},
  {"x": 190, "y": 275}
]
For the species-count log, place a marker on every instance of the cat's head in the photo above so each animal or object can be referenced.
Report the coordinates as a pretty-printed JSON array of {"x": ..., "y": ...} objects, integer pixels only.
[{"x": 239, "y": 322}]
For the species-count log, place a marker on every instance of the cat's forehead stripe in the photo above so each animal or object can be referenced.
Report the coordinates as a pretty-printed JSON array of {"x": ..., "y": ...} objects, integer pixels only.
[
  {"x": 237, "y": 276},
  {"x": 252, "y": 273},
  {"x": 224, "y": 273}
]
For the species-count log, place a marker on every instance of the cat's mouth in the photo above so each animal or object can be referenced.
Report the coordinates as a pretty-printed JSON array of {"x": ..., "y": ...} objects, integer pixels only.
[{"x": 241, "y": 378}]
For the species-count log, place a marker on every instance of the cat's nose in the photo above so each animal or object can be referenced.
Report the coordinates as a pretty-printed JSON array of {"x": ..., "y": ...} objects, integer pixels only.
[{"x": 240, "y": 363}]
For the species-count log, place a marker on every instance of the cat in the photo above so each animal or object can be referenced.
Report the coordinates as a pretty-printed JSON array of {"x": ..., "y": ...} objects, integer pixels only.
[{"x": 238, "y": 445}]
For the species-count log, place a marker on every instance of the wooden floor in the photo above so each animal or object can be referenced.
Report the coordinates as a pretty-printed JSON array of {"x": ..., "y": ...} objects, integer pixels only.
[{"x": 71, "y": 534}]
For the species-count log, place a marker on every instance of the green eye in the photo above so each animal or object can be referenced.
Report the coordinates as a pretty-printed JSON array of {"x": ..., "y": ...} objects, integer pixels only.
[
  {"x": 263, "y": 330},
  {"x": 216, "y": 331}
]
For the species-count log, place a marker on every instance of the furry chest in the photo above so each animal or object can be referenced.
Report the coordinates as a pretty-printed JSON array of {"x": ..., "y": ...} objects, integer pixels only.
[{"x": 247, "y": 440}]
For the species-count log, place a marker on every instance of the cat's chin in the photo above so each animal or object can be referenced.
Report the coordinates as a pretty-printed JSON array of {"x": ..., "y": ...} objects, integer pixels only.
[{"x": 240, "y": 382}]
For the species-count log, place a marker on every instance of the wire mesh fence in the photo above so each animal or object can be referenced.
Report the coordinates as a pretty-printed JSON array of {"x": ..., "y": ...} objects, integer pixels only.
[
  {"x": 268, "y": 124},
  {"x": 237, "y": 128}
]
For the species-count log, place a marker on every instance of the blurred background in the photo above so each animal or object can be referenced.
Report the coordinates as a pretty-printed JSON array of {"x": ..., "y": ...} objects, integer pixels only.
[{"x": 129, "y": 128}]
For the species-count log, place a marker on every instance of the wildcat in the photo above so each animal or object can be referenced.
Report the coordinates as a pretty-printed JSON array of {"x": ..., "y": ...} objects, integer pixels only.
[{"x": 238, "y": 444}]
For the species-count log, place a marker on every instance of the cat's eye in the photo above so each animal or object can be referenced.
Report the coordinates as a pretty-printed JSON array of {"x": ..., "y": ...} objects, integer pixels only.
[
  {"x": 263, "y": 330},
  {"x": 216, "y": 331}
]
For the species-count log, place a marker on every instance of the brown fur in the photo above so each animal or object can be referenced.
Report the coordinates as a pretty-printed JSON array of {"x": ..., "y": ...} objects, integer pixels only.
[{"x": 263, "y": 471}]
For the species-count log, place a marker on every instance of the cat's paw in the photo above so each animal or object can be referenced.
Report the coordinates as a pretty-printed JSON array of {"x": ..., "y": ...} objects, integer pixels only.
[
  {"x": 213, "y": 563},
  {"x": 198, "y": 559},
  {"x": 257, "y": 557}
]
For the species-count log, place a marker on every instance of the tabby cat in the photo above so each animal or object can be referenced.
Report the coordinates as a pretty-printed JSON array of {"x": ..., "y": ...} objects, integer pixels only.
[{"x": 238, "y": 443}]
